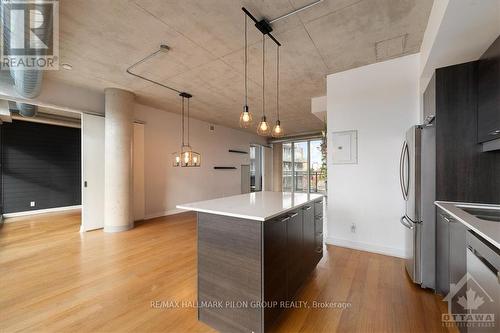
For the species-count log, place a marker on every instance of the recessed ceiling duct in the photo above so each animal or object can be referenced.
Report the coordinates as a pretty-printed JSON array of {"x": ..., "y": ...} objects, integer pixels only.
[
  {"x": 27, "y": 110},
  {"x": 27, "y": 82}
]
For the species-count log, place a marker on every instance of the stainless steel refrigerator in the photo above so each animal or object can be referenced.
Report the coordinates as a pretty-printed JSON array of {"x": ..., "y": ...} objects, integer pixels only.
[{"x": 417, "y": 174}]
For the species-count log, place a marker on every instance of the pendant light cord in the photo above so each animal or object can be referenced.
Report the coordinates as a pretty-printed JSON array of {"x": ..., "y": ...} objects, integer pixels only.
[
  {"x": 246, "y": 63},
  {"x": 278, "y": 82},
  {"x": 188, "y": 120},
  {"x": 263, "y": 75},
  {"x": 182, "y": 121}
]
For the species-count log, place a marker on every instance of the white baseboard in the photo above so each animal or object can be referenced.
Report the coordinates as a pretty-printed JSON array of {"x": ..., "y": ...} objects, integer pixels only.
[
  {"x": 40, "y": 211},
  {"x": 165, "y": 213},
  {"x": 368, "y": 247},
  {"x": 121, "y": 228}
]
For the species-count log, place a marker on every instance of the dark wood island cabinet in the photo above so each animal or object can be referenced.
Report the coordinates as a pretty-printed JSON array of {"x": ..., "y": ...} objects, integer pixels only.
[{"x": 249, "y": 269}]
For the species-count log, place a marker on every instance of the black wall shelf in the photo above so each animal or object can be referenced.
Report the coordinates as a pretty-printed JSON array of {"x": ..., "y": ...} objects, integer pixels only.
[
  {"x": 224, "y": 168},
  {"x": 237, "y": 151}
]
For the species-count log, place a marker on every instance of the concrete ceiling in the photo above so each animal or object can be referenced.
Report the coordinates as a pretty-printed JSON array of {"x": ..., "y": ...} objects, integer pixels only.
[{"x": 100, "y": 39}]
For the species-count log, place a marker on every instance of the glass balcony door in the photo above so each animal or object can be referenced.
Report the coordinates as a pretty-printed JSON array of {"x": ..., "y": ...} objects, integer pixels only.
[{"x": 303, "y": 168}]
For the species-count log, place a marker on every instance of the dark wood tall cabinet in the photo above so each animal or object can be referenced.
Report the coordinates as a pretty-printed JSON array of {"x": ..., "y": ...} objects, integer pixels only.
[
  {"x": 488, "y": 106},
  {"x": 464, "y": 173}
]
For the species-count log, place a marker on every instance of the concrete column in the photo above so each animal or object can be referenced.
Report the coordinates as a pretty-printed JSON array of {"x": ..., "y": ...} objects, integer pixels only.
[{"x": 118, "y": 191}]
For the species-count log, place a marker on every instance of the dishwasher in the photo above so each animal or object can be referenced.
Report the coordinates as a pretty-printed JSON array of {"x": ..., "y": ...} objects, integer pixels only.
[{"x": 483, "y": 285}]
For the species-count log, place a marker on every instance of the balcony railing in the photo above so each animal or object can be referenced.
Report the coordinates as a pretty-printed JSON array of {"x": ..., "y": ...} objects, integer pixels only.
[{"x": 317, "y": 181}]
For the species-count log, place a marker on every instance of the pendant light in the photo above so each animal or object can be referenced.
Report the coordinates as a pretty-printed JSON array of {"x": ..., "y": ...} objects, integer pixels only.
[
  {"x": 186, "y": 157},
  {"x": 277, "y": 130},
  {"x": 246, "y": 116},
  {"x": 263, "y": 129}
]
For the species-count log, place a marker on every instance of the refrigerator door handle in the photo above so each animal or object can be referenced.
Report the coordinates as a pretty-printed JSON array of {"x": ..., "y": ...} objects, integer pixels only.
[
  {"x": 404, "y": 221},
  {"x": 402, "y": 183}
]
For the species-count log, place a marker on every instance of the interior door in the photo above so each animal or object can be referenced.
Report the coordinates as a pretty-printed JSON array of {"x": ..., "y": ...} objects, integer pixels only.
[{"x": 92, "y": 172}]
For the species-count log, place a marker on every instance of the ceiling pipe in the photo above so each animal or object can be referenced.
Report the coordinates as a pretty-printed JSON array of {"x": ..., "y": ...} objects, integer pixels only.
[
  {"x": 27, "y": 110},
  {"x": 48, "y": 119},
  {"x": 27, "y": 82},
  {"x": 296, "y": 11},
  {"x": 297, "y": 137}
]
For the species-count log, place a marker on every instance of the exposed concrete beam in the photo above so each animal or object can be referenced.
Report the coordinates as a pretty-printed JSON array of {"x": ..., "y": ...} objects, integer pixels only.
[
  {"x": 58, "y": 95},
  {"x": 5, "y": 114}
]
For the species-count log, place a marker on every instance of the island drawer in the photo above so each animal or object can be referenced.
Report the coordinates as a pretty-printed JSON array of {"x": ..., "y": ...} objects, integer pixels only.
[
  {"x": 319, "y": 240},
  {"x": 318, "y": 224},
  {"x": 318, "y": 208}
]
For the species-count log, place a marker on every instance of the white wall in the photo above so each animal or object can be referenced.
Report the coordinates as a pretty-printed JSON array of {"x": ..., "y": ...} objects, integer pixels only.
[
  {"x": 458, "y": 31},
  {"x": 166, "y": 186},
  {"x": 381, "y": 102}
]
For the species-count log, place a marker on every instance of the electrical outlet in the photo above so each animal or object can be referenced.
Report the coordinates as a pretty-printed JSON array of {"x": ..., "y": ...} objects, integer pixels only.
[
  {"x": 353, "y": 228},
  {"x": 32, "y": 204}
]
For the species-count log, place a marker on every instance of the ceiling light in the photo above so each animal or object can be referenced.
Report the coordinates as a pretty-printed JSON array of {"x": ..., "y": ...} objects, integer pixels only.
[
  {"x": 263, "y": 129},
  {"x": 246, "y": 116},
  {"x": 277, "y": 129},
  {"x": 186, "y": 157},
  {"x": 67, "y": 67}
]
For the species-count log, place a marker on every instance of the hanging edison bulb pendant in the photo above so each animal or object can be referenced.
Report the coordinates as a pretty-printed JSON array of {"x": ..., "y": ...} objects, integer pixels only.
[
  {"x": 277, "y": 130},
  {"x": 245, "y": 118},
  {"x": 176, "y": 159},
  {"x": 188, "y": 157},
  {"x": 263, "y": 129}
]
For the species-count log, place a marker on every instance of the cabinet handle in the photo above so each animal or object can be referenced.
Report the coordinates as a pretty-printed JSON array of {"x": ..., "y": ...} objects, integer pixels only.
[
  {"x": 293, "y": 215},
  {"x": 319, "y": 250},
  {"x": 448, "y": 220},
  {"x": 285, "y": 219},
  {"x": 495, "y": 132},
  {"x": 307, "y": 208}
]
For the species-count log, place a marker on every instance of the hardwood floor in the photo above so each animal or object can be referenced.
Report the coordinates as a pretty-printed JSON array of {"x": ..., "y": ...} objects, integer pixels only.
[{"x": 55, "y": 279}]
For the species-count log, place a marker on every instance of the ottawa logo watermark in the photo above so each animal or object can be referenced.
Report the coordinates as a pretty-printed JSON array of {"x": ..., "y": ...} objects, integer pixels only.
[
  {"x": 30, "y": 35},
  {"x": 472, "y": 306}
]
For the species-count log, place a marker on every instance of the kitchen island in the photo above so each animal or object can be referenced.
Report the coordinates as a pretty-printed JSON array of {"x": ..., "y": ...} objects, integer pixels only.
[{"x": 254, "y": 252}]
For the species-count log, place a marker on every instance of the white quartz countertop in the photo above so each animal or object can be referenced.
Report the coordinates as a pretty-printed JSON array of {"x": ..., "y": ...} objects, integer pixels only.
[
  {"x": 489, "y": 230},
  {"x": 260, "y": 206}
]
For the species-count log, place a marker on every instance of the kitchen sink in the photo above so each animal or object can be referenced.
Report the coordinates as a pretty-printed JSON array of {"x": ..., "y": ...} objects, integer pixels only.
[{"x": 487, "y": 214}]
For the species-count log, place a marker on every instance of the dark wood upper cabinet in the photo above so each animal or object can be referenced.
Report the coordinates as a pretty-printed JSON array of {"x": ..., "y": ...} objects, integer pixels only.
[
  {"x": 488, "y": 106},
  {"x": 464, "y": 173}
]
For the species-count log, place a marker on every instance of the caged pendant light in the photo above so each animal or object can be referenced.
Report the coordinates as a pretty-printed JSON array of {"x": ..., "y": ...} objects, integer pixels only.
[
  {"x": 277, "y": 129},
  {"x": 246, "y": 116},
  {"x": 263, "y": 129},
  {"x": 186, "y": 157}
]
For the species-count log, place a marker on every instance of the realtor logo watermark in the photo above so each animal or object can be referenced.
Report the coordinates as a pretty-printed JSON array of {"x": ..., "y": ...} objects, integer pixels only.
[
  {"x": 30, "y": 35},
  {"x": 474, "y": 304}
]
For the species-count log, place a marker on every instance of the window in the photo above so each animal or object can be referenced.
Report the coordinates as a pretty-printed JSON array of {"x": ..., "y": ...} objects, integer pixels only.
[{"x": 303, "y": 168}]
